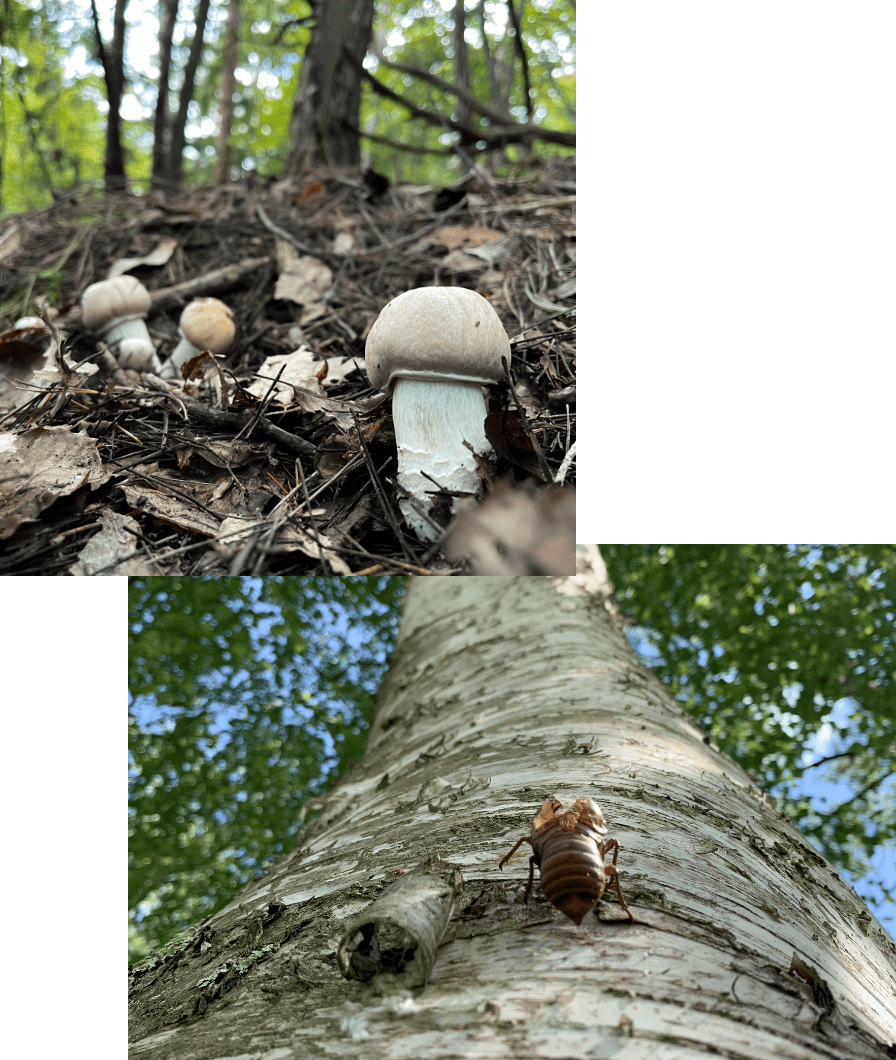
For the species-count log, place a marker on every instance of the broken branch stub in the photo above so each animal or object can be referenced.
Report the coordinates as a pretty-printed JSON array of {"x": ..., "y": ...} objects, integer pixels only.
[{"x": 398, "y": 935}]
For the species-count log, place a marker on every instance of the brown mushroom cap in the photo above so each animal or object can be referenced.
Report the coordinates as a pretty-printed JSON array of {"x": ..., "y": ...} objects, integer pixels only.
[
  {"x": 110, "y": 300},
  {"x": 436, "y": 333},
  {"x": 208, "y": 324}
]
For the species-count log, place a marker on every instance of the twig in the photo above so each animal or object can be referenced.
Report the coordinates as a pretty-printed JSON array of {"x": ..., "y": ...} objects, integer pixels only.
[
  {"x": 324, "y": 252},
  {"x": 542, "y": 463},
  {"x": 566, "y": 464},
  {"x": 238, "y": 420},
  {"x": 381, "y": 493}
]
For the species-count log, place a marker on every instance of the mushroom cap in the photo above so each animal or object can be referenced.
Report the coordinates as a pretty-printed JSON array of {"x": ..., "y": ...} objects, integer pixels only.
[
  {"x": 110, "y": 300},
  {"x": 208, "y": 324},
  {"x": 436, "y": 333}
]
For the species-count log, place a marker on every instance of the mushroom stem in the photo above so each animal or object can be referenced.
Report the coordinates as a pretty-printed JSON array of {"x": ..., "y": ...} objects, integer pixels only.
[
  {"x": 433, "y": 419},
  {"x": 114, "y": 309},
  {"x": 184, "y": 351},
  {"x": 205, "y": 324},
  {"x": 432, "y": 349},
  {"x": 138, "y": 352},
  {"x": 129, "y": 327}
]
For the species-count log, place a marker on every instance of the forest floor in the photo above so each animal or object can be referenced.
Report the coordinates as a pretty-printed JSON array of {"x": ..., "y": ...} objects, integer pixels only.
[{"x": 278, "y": 457}]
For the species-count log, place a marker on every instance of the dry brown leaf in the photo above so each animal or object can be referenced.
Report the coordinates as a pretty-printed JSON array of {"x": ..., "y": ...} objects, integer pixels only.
[
  {"x": 171, "y": 510},
  {"x": 517, "y": 532},
  {"x": 110, "y": 545},
  {"x": 160, "y": 256}
]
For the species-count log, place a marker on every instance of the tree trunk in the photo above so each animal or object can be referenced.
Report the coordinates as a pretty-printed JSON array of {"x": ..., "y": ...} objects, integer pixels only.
[
  {"x": 228, "y": 87},
  {"x": 112, "y": 60},
  {"x": 161, "y": 118},
  {"x": 503, "y": 692},
  {"x": 325, "y": 113},
  {"x": 174, "y": 167}
]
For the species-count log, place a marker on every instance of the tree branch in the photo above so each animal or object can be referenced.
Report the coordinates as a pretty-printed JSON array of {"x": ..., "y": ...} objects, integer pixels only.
[{"x": 507, "y": 134}]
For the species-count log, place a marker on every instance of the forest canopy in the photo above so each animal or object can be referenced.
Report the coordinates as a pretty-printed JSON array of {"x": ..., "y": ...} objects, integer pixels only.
[
  {"x": 250, "y": 697},
  {"x": 61, "y": 79}
]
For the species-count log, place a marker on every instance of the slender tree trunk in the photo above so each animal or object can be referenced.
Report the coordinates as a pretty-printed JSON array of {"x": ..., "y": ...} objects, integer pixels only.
[
  {"x": 161, "y": 127},
  {"x": 325, "y": 112},
  {"x": 225, "y": 96},
  {"x": 462, "y": 78},
  {"x": 112, "y": 60},
  {"x": 503, "y": 692},
  {"x": 174, "y": 167}
]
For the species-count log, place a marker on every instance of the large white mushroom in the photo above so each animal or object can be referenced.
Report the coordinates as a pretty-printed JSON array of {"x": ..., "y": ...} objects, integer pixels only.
[
  {"x": 433, "y": 349},
  {"x": 205, "y": 324},
  {"x": 116, "y": 309}
]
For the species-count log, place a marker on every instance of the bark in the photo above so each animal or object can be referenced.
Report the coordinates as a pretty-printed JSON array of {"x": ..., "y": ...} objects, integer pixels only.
[
  {"x": 161, "y": 129},
  {"x": 174, "y": 168},
  {"x": 501, "y": 693},
  {"x": 112, "y": 60},
  {"x": 228, "y": 87},
  {"x": 325, "y": 114}
]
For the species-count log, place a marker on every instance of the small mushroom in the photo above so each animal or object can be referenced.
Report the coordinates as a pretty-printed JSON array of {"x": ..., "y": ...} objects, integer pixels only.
[
  {"x": 205, "y": 324},
  {"x": 432, "y": 349},
  {"x": 134, "y": 353},
  {"x": 35, "y": 333},
  {"x": 115, "y": 309},
  {"x": 31, "y": 324},
  {"x": 24, "y": 348}
]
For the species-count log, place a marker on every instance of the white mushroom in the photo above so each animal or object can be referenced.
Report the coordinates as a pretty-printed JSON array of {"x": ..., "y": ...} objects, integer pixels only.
[
  {"x": 27, "y": 347},
  {"x": 432, "y": 349},
  {"x": 205, "y": 324},
  {"x": 115, "y": 309},
  {"x": 39, "y": 335},
  {"x": 31, "y": 324},
  {"x": 133, "y": 353}
]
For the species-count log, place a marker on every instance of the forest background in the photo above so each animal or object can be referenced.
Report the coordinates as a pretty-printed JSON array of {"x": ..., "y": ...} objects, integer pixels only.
[
  {"x": 249, "y": 698},
  {"x": 232, "y": 75}
]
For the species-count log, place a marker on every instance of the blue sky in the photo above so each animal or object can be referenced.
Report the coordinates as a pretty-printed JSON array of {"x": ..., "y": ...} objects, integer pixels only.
[{"x": 823, "y": 794}]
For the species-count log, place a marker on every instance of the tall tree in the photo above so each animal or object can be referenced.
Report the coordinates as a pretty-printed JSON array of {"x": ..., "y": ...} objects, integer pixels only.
[
  {"x": 174, "y": 170},
  {"x": 225, "y": 96},
  {"x": 323, "y": 130},
  {"x": 502, "y": 693},
  {"x": 112, "y": 60},
  {"x": 161, "y": 126}
]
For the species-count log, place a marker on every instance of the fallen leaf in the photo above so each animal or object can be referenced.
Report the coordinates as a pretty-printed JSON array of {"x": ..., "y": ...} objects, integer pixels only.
[{"x": 109, "y": 546}]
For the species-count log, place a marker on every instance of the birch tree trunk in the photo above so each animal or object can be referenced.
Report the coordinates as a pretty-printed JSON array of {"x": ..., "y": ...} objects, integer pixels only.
[{"x": 503, "y": 692}]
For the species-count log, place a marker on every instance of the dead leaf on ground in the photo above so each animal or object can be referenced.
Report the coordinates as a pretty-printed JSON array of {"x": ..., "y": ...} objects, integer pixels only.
[
  {"x": 517, "y": 532},
  {"x": 113, "y": 545},
  {"x": 160, "y": 256}
]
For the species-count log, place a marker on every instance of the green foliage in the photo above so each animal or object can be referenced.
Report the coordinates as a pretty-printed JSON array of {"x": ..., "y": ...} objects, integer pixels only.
[
  {"x": 420, "y": 33},
  {"x": 247, "y": 699},
  {"x": 52, "y": 134},
  {"x": 53, "y": 99},
  {"x": 770, "y": 646}
]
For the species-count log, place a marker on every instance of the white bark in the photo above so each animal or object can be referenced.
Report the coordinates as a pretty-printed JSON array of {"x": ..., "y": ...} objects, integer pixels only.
[{"x": 502, "y": 692}]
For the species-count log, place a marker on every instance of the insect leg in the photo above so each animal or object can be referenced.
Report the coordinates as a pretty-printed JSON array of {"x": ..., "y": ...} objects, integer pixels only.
[
  {"x": 611, "y": 870},
  {"x": 507, "y": 857},
  {"x": 607, "y": 845},
  {"x": 529, "y": 884}
]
